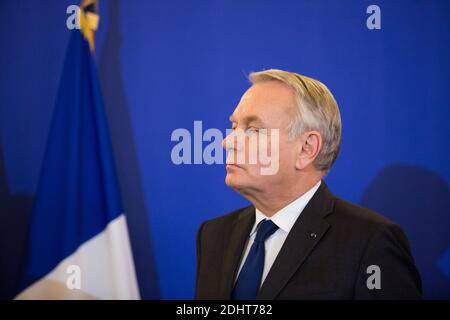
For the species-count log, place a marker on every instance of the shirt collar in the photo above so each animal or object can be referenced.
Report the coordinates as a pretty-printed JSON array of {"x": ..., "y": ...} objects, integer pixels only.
[{"x": 286, "y": 217}]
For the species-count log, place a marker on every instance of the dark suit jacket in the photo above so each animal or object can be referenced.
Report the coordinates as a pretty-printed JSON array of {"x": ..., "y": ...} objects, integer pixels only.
[{"x": 325, "y": 255}]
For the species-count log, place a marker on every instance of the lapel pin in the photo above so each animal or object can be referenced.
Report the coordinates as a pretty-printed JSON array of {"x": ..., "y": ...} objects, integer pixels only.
[{"x": 313, "y": 235}]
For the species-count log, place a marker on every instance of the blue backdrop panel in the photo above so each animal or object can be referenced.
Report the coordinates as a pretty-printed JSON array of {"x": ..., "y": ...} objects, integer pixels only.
[{"x": 165, "y": 64}]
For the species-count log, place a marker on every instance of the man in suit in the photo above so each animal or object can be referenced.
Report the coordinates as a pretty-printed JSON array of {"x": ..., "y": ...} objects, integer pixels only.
[{"x": 297, "y": 240}]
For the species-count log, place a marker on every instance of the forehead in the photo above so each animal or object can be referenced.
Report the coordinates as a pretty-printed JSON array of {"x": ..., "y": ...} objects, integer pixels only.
[{"x": 267, "y": 100}]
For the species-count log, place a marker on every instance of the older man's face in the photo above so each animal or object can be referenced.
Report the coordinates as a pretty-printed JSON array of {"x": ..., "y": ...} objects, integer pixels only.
[{"x": 267, "y": 105}]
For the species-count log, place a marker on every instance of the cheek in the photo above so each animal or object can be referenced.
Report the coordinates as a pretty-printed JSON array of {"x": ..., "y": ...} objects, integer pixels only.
[{"x": 286, "y": 158}]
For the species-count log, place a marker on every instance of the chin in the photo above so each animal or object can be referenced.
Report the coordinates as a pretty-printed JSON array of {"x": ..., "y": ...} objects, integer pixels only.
[
  {"x": 235, "y": 182},
  {"x": 232, "y": 180}
]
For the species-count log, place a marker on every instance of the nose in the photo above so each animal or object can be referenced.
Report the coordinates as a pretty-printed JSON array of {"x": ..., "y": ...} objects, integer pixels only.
[
  {"x": 233, "y": 141},
  {"x": 227, "y": 143}
]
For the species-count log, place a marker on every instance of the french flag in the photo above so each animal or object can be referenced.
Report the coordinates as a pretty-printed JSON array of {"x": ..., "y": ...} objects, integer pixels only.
[{"x": 78, "y": 244}]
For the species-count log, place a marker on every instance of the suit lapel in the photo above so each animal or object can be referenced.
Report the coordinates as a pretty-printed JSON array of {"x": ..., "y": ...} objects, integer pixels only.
[
  {"x": 235, "y": 247},
  {"x": 300, "y": 242}
]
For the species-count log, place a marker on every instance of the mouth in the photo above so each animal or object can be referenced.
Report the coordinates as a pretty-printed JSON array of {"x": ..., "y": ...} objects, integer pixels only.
[{"x": 232, "y": 166}]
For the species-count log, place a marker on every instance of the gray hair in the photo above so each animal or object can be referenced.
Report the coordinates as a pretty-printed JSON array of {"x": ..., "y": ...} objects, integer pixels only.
[{"x": 316, "y": 110}]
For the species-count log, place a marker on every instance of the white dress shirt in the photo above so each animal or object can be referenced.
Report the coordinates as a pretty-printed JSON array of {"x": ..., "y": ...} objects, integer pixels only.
[{"x": 284, "y": 219}]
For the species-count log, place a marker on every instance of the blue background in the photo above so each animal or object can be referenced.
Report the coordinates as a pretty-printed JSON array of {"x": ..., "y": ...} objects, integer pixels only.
[{"x": 164, "y": 64}]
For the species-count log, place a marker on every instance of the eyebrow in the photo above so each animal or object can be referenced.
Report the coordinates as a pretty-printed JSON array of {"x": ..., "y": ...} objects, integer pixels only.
[{"x": 249, "y": 119}]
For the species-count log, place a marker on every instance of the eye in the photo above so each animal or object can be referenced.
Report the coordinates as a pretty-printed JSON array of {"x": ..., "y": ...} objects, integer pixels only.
[{"x": 252, "y": 130}]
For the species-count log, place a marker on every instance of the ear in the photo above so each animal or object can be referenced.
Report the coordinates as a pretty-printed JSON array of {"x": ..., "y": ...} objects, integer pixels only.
[{"x": 310, "y": 145}]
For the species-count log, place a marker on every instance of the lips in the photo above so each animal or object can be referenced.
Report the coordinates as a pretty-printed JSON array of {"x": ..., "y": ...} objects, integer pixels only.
[{"x": 232, "y": 165}]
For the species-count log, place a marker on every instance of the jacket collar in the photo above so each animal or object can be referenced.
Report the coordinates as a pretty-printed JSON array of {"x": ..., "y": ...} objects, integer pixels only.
[{"x": 307, "y": 230}]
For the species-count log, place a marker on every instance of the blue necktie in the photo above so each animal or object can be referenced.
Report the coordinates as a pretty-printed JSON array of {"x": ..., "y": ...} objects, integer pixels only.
[{"x": 248, "y": 282}]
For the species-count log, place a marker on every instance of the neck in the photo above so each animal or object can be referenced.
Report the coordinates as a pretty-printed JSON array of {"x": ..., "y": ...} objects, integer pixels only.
[{"x": 271, "y": 201}]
